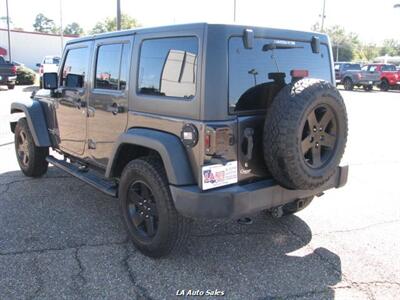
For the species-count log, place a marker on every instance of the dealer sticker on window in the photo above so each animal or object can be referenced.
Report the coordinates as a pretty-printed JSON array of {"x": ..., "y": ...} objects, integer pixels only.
[{"x": 219, "y": 175}]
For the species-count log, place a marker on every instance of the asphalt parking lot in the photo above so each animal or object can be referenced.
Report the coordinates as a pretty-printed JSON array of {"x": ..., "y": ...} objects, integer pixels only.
[{"x": 60, "y": 238}]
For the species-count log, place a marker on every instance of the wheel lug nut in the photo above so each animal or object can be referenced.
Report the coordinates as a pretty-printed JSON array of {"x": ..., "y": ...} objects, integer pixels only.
[
  {"x": 315, "y": 129},
  {"x": 141, "y": 213}
]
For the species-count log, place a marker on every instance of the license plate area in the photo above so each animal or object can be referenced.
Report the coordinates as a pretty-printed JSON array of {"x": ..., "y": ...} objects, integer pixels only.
[{"x": 218, "y": 175}]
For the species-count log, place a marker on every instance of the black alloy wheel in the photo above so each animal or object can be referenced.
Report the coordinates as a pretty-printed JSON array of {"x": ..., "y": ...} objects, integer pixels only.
[
  {"x": 142, "y": 209},
  {"x": 319, "y": 136}
]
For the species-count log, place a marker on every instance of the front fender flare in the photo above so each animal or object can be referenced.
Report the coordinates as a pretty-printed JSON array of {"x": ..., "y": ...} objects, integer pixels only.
[
  {"x": 36, "y": 120},
  {"x": 168, "y": 146}
]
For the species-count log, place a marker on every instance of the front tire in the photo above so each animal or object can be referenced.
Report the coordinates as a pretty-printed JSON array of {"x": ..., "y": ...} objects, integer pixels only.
[
  {"x": 31, "y": 159},
  {"x": 154, "y": 225},
  {"x": 11, "y": 86}
]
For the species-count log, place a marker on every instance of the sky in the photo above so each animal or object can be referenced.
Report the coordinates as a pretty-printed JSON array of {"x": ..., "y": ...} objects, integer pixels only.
[{"x": 372, "y": 20}]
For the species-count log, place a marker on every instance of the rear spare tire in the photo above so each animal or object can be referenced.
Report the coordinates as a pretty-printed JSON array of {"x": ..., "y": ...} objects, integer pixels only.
[{"x": 305, "y": 134}]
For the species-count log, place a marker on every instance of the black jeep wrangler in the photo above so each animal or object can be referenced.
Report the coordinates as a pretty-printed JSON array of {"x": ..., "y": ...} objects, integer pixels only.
[{"x": 190, "y": 121}]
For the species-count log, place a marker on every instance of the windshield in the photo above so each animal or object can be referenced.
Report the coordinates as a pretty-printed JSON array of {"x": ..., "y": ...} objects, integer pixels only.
[{"x": 256, "y": 76}]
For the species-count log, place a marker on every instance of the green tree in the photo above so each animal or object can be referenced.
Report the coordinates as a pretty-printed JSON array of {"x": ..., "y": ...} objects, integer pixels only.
[
  {"x": 390, "y": 47},
  {"x": 110, "y": 24},
  {"x": 44, "y": 24},
  {"x": 73, "y": 28},
  {"x": 343, "y": 43},
  {"x": 366, "y": 52}
]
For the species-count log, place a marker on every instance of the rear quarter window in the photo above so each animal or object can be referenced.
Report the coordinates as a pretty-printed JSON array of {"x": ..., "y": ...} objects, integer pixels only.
[
  {"x": 255, "y": 76},
  {"x": 168, "y": 67}
]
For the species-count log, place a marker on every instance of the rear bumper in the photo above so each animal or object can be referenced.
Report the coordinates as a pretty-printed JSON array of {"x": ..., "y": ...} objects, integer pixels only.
[
  {"x": 369, "y": 82},
  {"x": 5, "y": 79},
  {"x": 242, "y": 200}
]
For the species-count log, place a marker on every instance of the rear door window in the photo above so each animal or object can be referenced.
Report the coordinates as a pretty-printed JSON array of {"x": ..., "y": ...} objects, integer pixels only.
[{"x": 255, "y": 76}]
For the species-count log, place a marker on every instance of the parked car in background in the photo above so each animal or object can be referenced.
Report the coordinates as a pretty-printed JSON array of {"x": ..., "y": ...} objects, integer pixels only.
[
  {"x": 49, "y": 64},
  {"x": 8, "y": 73},
  {"x": 350, "y": 74},
  {"x": 390, "y": 76},
  {"x": 17, "y": 63}
]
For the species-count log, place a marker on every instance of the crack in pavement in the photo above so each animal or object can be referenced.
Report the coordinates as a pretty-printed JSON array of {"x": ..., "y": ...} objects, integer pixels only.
[
  {"x": 333, "y": 267},
  {"x": 359, "y": 228},
  {"x": 142, "y": 292},
  {"x": 80, "y": 283},
  {"x": 40, "y": 282},
  {"x": 8, "y": 184},
  {"x": 361, "y": 286},
  {"x": 41, "y": 251}
]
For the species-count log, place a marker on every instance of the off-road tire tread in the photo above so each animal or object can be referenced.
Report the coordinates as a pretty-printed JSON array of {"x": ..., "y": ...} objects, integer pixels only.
[
  {"x": 179, "y": 226},
  {"x": 281, "y": 129}
]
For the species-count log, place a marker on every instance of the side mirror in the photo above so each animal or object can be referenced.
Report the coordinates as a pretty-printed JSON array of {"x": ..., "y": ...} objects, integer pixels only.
[
  {"x": 38, "y": 65},
  {"x": 50, "y": 81},
  {"x": 315, "y": 44},
  {"x": 248, "y": 38}
]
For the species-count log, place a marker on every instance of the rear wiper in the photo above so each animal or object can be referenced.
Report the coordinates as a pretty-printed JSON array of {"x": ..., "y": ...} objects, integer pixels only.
[{"x": 273, "y": 46}]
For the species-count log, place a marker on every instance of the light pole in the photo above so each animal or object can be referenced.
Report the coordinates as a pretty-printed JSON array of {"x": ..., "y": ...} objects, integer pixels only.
[
  {"x": 234, "y": 11},
  {"x": 8, "y": 32},
  {"x": 61, "y": 28},
  {"x": 118, "y": 15},
  {"x": 323, "y": 16}
]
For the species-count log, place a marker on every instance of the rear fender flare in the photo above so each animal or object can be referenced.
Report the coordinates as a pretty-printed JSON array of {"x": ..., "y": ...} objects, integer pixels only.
[{"x": 168, "y": 146}]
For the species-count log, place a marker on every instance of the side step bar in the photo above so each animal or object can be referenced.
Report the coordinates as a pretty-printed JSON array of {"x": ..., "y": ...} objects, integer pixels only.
[{"x": 107, "y": 187}]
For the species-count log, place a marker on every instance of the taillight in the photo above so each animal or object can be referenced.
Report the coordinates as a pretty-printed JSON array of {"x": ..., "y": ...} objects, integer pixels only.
[
  {"x": 41, "y": 69},
  {"x": 359, "y": 75},
  {"x": 299, "y": 73},
  {"x": 14, "y": 70},
  {"x": 207, "y": 142}
]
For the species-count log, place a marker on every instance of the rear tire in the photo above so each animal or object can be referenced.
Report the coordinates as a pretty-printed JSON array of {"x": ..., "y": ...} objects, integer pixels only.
[
  {"x": 348, "y": 84},
  {"x": 11, "y": 86},
  {"x": 384, "y": 85},
  {"x": 153, "y": 224},
  {"x": 305, "y": 134},
  {"x": 31, "y": 159}
]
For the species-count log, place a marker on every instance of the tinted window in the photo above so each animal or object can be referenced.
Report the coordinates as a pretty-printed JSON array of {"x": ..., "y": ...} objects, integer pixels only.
[
  {"x": 351, "y": 67},
  {"x": 387, "y": 68},
  {"x": 112, "y": 67},
  {"x": 256, "y": 76},
  {"x": 123, "y": 77},
  {"x": 168, "y": 67},
  {"x": 75, "y": 68},
  {"x": 108, "y": 65}
]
